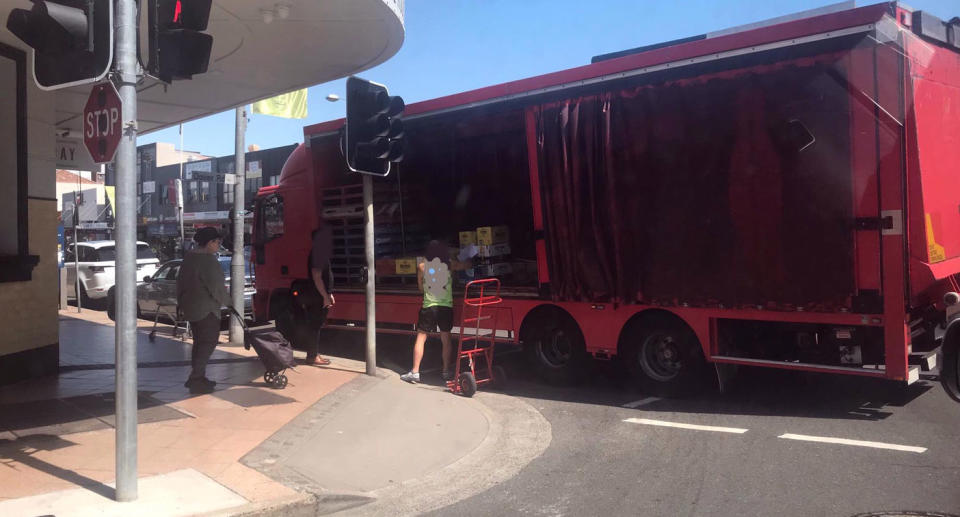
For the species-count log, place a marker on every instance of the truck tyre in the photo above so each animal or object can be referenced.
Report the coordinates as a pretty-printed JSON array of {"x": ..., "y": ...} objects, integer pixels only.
[
  {"x": 280, "y": 310},
  {"x": 950, "y": 361},
  {"x": 298, "y": 332},
  {"x": 664, "y": 356},
  {"x": 556, "y": 349}
]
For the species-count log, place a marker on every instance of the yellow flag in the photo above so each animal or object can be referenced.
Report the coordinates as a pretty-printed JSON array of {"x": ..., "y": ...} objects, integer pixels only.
[
  {"x": 111, "y": 197},
  {"x": 287, "y": 105}
]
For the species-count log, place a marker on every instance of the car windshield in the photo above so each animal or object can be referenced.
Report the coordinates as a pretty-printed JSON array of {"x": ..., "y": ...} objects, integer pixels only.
[{"x": 109, "y": 253}]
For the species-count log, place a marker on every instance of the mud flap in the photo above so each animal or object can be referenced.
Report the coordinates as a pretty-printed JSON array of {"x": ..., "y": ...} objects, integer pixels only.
[{"x": 950, "y": 363}]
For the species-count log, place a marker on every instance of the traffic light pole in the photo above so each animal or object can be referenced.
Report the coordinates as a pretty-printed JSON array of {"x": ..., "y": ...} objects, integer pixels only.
[
  {"x": 237, "y": 279},
  {"x": 371, "y": 328},
  {"x": 125, "y": 78}
]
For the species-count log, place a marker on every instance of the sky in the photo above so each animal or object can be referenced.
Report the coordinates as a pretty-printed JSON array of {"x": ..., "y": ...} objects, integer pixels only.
[{"x": 453, "y": 46}]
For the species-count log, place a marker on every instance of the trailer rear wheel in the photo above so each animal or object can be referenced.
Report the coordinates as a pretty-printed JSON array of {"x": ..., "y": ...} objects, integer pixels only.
[
  {"x": 664, "y": 356},
  {"x": 556, "y": 349}
]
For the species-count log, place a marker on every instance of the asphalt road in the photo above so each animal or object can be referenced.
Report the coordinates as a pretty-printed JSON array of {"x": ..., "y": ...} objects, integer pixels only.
[{"x": 754, "y": 455}]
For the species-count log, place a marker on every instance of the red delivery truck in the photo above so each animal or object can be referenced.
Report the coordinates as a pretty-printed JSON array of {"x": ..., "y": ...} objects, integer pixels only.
[{"x": 783, "y": 195}]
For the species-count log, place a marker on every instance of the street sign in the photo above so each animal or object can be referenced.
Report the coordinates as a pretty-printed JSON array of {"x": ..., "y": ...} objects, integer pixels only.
[{"x": 101, "y": 122}]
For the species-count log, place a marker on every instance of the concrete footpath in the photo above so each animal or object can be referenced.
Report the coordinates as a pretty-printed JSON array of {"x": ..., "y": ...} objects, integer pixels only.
[
  {"x": 385, "y": 447},
  {"x": 333, "y": 440}
]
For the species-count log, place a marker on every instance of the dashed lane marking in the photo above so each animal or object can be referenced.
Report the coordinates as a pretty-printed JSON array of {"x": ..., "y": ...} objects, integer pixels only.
[
  {"x": 642, "y": 402},
  {"x": 661, "y": 423},
  {"x": 857, "y": 443}
]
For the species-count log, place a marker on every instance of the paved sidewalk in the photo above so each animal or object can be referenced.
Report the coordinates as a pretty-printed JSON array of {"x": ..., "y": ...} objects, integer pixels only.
[
  {"x": 56, "y": 433},
  {"x": 387, "y": 448},
  {"x": 334, "y": 440}
]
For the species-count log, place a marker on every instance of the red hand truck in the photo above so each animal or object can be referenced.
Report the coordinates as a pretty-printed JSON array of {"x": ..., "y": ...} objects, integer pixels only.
[{"x": 479, "y": 369}]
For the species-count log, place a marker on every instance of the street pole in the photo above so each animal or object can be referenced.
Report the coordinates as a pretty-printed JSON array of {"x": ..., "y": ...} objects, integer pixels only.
[
  {"x": 236, "y": 264},
  {"x": 371, "y": 329},
  {"x": 183, "y": 245},
  {"x": 125, "y": 58},
  {"x": 76, "y": 249},
  {"x": 179, "y": 186}
]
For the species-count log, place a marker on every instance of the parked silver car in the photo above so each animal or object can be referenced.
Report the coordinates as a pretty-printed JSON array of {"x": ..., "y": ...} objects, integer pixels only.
[{"x": 158, "y": 292}]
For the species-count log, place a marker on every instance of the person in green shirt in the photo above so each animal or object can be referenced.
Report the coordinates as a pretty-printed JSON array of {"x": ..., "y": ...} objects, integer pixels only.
[
  {"x": 435, "y": 280},
  {"x": 201, "y": 293}
]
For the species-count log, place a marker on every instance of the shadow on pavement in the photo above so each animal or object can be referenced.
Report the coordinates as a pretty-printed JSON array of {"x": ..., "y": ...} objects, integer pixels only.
[
  {"x": 21, "y": 451},
  {"x": 753, "y": 391},
  {"x": 63, "y": 416}
]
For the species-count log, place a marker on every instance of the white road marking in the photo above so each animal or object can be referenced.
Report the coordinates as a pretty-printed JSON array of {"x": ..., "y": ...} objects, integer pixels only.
[
  {"x": 694, "y": 427},
  {"x": 641, "y": 402},
  {"x": 858, "y": 443}
]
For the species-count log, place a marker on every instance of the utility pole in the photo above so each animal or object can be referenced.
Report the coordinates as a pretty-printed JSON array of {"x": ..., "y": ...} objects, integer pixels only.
[
  {"x": 125, "y": 77},
  {"x": 237, "y": 278}
]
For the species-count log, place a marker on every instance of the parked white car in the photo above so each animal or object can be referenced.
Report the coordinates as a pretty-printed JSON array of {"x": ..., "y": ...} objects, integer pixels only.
[{"x": 97, "y": 263}]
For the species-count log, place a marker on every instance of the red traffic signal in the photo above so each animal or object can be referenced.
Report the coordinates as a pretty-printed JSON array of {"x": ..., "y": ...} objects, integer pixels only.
[{"x": 178, "y": 47}]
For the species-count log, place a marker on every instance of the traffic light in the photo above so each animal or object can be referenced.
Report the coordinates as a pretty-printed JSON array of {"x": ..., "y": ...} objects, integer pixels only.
[
  {"x": 374, "y": 131},
  {"x": 72, "y": 40},
  {"x": 178, "y": 47}
]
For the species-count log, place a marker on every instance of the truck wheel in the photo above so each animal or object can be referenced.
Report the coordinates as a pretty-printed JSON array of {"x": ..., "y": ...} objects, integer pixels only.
[
  {"x": 950, "y": 364},
  {"x": 664, "y": 356},
  {"x": 556, "y": 350},
  {"x": 299, "y": 333}
]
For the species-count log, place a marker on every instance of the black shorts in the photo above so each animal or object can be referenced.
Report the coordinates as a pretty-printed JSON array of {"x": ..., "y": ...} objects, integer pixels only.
[{"x": 432, "y": 318}]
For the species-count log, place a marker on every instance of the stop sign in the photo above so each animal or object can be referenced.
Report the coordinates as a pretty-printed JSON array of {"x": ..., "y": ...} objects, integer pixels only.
[{"x": 101, "y": 122}]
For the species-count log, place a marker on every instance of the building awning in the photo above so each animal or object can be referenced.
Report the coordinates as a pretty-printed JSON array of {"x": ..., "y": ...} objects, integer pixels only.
[{"x": 318, "y": 41}]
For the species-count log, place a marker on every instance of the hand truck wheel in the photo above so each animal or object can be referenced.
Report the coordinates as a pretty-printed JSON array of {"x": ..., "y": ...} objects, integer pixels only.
[
  {"x": 269, "y": 377},
  {"x": 280, "y": 381},
  {"x": 468, "y": 384}
]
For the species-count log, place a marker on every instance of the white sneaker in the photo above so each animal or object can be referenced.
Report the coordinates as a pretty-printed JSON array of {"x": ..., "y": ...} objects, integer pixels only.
[{"x": 411, "y": 377}]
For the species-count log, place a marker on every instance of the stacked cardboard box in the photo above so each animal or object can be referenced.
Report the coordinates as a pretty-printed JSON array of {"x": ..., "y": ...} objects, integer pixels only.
[{"x": 493, "y": 251}]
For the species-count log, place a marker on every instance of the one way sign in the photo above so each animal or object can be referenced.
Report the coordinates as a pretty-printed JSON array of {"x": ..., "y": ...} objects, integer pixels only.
[{"x": 70, "y": 155}]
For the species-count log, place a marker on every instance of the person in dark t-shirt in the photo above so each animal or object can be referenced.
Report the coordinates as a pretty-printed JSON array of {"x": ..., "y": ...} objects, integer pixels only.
[{"x": 321, "y": 251}]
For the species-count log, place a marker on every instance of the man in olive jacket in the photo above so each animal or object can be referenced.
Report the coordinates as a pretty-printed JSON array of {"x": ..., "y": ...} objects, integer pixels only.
[{"x": 201, "y": 292}]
